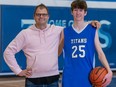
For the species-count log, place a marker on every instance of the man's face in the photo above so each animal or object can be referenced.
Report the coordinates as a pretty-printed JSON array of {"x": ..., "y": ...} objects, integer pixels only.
[{"x": 41, "y": 16}]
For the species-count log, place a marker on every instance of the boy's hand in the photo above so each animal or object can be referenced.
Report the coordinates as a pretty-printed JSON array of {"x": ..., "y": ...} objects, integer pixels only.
[{"x": 107, "y": 79}]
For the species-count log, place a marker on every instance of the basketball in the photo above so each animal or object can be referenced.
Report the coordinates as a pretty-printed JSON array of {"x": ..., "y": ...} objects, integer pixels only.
[{"x": 97, "y": 75}]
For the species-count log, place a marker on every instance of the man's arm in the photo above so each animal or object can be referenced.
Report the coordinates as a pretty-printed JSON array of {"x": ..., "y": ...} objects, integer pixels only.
[
  {"x": 61, "y": 43},
  {"x": 13, "y": 48},
  {"x": 95, "y": 23}
]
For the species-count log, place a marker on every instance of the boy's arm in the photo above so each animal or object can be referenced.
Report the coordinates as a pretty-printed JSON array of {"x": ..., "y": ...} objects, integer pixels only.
[{"x": 103, "y": 60}]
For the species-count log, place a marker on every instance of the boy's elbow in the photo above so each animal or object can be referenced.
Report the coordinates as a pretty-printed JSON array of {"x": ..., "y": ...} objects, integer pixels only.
[{"x": 101, "y": 55}]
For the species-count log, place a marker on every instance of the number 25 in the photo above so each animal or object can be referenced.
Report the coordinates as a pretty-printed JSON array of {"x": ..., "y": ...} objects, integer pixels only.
[{"x": 81, "y": 49}]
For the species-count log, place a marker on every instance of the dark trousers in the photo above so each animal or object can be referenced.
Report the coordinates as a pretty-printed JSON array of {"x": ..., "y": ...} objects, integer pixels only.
[{"x": 51, "y": 81}]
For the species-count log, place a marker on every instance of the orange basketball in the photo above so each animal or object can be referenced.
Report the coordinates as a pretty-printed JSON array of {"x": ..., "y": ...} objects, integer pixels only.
[{"x": 97, "y": 75}]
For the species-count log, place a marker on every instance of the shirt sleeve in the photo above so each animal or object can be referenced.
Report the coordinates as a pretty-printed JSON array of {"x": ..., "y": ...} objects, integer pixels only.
[{"x": 14, "y": 47}]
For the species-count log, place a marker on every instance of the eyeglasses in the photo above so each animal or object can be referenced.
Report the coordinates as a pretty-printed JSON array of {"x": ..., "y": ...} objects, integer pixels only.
[{"x": 39, "y": 15}]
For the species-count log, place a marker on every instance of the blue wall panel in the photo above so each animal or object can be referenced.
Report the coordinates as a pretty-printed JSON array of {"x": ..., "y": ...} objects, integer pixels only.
[
  {"x": 0, "y": 40},
  {"x": 107, "y": 32},
  {"x": 16, "y": 18}
]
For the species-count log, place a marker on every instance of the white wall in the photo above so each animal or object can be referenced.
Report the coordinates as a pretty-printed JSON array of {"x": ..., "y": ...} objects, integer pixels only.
[
  {"x": 59, "y": 3},
  {"x": 35, "y": 2}
]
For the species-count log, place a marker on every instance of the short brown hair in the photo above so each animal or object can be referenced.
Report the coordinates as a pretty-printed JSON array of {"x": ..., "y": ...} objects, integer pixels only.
[
  {"x": 41, "y": 6},
  {"x": 79, "y": 4}
]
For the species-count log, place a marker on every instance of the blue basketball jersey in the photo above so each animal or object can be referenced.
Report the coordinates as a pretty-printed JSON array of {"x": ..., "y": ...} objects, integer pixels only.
[{"x": 79, "y": 49}]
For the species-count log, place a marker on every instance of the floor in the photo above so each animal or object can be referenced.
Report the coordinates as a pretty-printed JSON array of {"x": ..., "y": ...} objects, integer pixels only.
[{"x": 14, "y": 81}]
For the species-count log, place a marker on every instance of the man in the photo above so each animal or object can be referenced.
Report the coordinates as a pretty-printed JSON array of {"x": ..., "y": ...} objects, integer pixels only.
[
  {"x": 80, "y": 42},
  {"x": 40, "y": 44}
]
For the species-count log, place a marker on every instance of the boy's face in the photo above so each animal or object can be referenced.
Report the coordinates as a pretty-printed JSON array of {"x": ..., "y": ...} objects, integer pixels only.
[{"x": 78, "y": 14}]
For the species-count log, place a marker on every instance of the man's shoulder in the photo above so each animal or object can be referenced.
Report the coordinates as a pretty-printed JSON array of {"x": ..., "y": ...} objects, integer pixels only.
[
  {"x": 56, "y": 26},
  {"x": 25, "y": 31},
  {"x": 30, "y": 28}
]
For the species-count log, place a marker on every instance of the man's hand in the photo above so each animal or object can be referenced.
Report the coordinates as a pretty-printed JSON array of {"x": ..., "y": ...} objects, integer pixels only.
[
  {"x": 26, "y": 73},
  {"x": 95, "y": 24}
]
